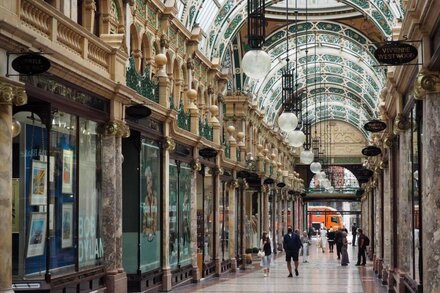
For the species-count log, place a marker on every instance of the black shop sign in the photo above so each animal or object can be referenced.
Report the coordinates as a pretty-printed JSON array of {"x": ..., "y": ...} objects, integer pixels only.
[{"x": 396, "y": 53}]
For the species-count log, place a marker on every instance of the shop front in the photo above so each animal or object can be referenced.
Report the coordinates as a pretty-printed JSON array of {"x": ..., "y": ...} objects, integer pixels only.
[
  {"x": 57, "y": 188},
  {"x": 142, "y": 199}
]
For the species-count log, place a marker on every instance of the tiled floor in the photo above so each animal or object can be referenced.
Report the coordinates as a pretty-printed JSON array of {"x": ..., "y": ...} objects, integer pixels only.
[{"x": 323, "y": 273}]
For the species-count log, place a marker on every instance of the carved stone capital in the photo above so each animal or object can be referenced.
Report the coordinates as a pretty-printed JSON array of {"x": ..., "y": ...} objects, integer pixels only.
[
  {"x": 196, "y": 165},
  {"x": 12, "y": 94},
  {"x": 401, "y": 123},
  {"x": 210, "y": 90},
  {"x": 164, "y": 41},
  {"x": 169, "y": 144},
  {"x": 233, "y": 183},
  {"x": 117, "y": 128},
  {"x": 190, "y": 63},
  {"x": 217, "y": 171},
  {"x": 426, "y": 83}
]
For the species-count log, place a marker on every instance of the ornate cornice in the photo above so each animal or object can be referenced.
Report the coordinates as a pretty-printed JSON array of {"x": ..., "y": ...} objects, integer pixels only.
[
  {"x": 426, "y": 83},
  {"x": 12, "y": 93}
]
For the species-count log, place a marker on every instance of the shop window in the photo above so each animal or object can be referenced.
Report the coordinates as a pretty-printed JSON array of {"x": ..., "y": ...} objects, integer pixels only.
[
  {"x": 180, "y": 214},
  {"x": 142, "y": 229},
  {"x": 57, "y": 194}
]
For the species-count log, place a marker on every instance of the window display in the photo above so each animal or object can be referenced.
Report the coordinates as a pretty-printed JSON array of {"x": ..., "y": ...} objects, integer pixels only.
[
  {"x": 48, "y": 171},
  {"x": 180, "y": 214},
  {"x": 150, "y": 205}
]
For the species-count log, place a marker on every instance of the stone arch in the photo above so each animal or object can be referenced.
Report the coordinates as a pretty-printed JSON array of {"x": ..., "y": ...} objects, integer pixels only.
[
  {"x": 114, "y": 24},
  {"x": 145, "y": 52}
]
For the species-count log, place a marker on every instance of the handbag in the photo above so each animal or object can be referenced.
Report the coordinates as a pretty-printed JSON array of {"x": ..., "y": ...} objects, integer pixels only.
[{"x": 261, "y": 253}]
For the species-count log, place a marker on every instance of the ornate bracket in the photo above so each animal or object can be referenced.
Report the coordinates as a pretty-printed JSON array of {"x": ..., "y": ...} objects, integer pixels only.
[
  {"x": 11, "y": 94},
  {"x": 426, "y": 83},
  {"x": 217, "y": 171},
  {"x": 233, "y": 183},
  {"x": 169, "y": 144}
]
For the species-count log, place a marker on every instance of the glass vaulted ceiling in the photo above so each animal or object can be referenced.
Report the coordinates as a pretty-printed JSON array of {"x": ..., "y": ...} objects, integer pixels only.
[{"x": 347, "y": 77}]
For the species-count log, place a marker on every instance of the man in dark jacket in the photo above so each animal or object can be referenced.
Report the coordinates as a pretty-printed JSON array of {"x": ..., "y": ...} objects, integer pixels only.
[
  {"x": 362, "y": 247},
  {"x": 292, "y": 245},
  {"x": 354, "y": 232},
  {"x": 338, "y": 242}
]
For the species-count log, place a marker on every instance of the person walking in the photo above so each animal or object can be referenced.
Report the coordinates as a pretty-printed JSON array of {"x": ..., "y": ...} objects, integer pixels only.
[
  {"x": 305, "y": 245},
  {"x": 363, "y": 242},
  {"x": 266, "y": 247},
  {"x": 338, "y": 242},
  {"x": 354, "y": 232},
  {"x": 331, "y": 239},
  {"x": 344, "y": 253},
  {"x": 292, "y": 244},
  {"x": 311, "y": 232},
  {"x": 323, "y": 239}
]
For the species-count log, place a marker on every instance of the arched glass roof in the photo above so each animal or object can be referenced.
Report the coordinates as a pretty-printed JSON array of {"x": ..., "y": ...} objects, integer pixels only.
[{"x": 339, "y": 65}]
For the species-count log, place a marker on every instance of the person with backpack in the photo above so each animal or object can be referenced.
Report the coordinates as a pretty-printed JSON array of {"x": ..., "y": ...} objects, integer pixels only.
[{"x": 363, "y": 242}]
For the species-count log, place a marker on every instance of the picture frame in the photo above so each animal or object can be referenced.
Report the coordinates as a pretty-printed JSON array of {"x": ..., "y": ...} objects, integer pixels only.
[
  {"x": 67, "y": 225},
  {"x": 67, "y": 172},
  {"x": 37, "y": 235},
  {"x": 38, "y": 188}
]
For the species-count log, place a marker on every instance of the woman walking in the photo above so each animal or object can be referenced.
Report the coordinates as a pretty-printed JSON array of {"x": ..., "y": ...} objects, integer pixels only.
[
  {"x": 305, "y": 242},
  {"x": 267, "y": 249},
  {"x": 344, "y": 252},
  {"x": 323, "y": 238}
]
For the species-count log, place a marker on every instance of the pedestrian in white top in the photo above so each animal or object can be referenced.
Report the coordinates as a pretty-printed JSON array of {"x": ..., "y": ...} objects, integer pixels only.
[{"x": 323, "y": 239}]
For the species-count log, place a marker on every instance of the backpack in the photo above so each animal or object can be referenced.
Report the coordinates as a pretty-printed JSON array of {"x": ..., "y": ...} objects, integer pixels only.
[{"x": 366, "y": 241}]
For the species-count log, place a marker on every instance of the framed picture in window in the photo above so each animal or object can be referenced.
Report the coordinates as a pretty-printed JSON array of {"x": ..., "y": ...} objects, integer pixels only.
[
  {"x": 37, "y": 235},
  {"x": 67, "y": 173},
  {"x": 66, "y": 230},
  {"x": 38, "y": 182}
]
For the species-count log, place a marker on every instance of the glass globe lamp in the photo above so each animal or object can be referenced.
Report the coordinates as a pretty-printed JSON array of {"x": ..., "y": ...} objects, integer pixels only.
[
  {"x": 331, "y": 189},
  {"x": 287, "y": 121},
  {"x": 320, "y": 175},
  {"x": 325, "y": 183},
  {"x": 306, "y": 157},
  {"x": 256, "y": 63},
  {"x": 315, "y": 167},
  {"x": 296, "y": 138}
]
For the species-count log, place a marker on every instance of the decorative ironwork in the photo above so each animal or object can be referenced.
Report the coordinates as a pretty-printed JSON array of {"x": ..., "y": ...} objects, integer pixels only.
[
  {"x": 256, "y": 23},
  {"x": 183, "y": 118},
  {"x": 141, "y": 83},
  {"x": 205, "y": 130}
]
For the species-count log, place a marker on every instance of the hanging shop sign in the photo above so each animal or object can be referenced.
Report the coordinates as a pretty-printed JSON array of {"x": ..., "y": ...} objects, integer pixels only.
[
  {"x": 371, "y": 151},
  {"x": 138, "y": 111},
  {"x": 396, "y": 53},
  {"x": 366, "y": 173},
  {"x": 375, "y": 126},
  {"x": 30, "y": 64},
  {"x": 208, "y": 152},
  {"x": 281, "y": 184},
  {"x": 268, "y": 181}
]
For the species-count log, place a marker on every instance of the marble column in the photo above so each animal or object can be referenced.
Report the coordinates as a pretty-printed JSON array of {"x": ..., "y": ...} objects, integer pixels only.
[
  {"x": 10, "y": 93},
  {"x": 232, "y": 223},
  {"x": 285, "y": 213},
  {"x": 216, "y": 209},
  {"x": 5, "y": 198},
  {"x": 404, "y": 204},
  {"x": 430, "y": 171},
  {"x": 116, "y": 279},
  {"x": 278, "y": 213},
  {"x": 387, "y": 204},
  {"x": 169, "y": 145},
  {"x": 265, "y": 209},
  {"x": 197, "y": 274},
  {"x": 378, "y": 229}
]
